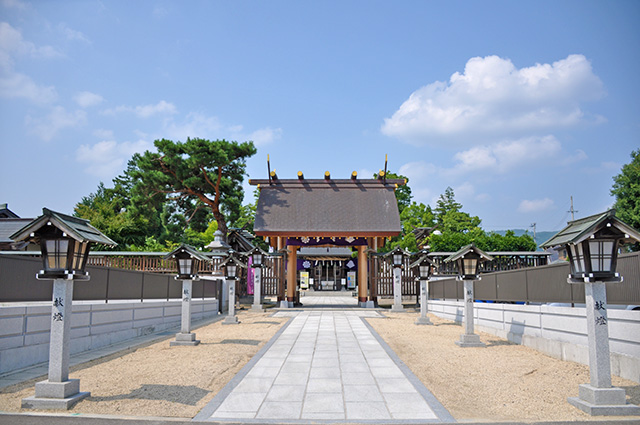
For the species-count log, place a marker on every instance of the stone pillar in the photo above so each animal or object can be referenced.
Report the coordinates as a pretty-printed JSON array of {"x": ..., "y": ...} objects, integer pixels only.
[
  {"x": 185, "y": 337},
  {"x": 257, "y": 290},
  {"x": 58, "y": 392},
  {"x": 279, "y": 262},
  {"x": 468, "y": 338},
  {"x": 362, "y": 275},
  {"x": 231, "y": 318},
  {"x": 397, "y": 289},
  {"x": 599, "y": 397},
  {"x": 424, "y": 297},
  {"x": 292, "y": 280}
]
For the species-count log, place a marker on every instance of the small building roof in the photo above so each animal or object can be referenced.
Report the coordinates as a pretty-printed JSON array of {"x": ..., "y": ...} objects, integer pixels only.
[
  {"x": 193, "y": 252},
  {"x": 77, "y": 228},
  {"x": 327, "y": 207},
  {"x": 9, "y": 226},
  {"x": 5, "y": 212},
  {"x": 578, "y": 230}
]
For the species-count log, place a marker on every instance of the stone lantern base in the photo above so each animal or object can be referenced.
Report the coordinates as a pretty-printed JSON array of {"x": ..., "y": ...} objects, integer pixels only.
[
  {"x": 423, "y": 321},
  {"x": 55, "y": 395},
  {"x": 185, "y": 339},
  {"x": 472, "y": 340},
  {"x": 603, "y": 401}
]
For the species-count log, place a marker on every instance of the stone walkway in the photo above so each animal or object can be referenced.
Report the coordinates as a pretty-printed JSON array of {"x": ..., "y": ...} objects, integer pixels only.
[{"x": 325, "y": 366}]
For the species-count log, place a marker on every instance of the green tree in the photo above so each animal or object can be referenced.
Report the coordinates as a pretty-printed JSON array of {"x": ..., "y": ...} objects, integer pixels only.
[
  {"x": 197, "y": 171},
  {"x": 403, "y": 193},
  {"x": 626, "y": 190}
]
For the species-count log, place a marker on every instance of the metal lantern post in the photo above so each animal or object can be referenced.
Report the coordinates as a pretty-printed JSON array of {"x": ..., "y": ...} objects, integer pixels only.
[
  {"x": 468, "y": 260},
  {"x": 231, "y": 265},
  {"x": 187, "y": 261},
  {"x": 257, "y": 263},
  {"x": 592, "y": 245},
  {"x": 65, "y": 242},
  {"x": 423, "y": 266},
  {"x": 397, "y": 261}
]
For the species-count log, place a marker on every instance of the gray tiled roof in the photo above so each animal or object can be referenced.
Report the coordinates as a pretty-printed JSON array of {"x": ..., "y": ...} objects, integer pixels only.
[
  {"x": 327, "y": 207},
  {"x": 8, "y": 226}
]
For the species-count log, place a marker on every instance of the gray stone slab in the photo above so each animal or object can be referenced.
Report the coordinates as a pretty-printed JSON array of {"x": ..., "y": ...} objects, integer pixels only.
[
  {"x": 358, "y": 378},
  {"x": 324, "y": 385},
  {"x": 243, "y": 402},
  {"x": 292, "y": 378},
  {"x": 324, "y": 372},
  {"x": 323, "y": 403},
  {"x": 362, "y": 393},
  {"x": 285, "y": 393},
  {"x": 366, "y": 410},
  {"x": 280, "y": 410}
]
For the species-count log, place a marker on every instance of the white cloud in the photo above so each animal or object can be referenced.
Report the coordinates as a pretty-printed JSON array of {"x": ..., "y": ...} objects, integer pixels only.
[
  {"x": 195, "y": 125},
  {"x": 108, "y": 158},
  {"x": 492, "y": 97},
  {"x": 15, "y": 85},
  {"x": 505, "y": 156},
  {"x": 535, "y": 205},
  {"x": 46, "y": 128},
  {"x": 145, "y": 111},
  {"x": 72, "y": 34},
  {"x": 265, "y": 135},
  {"x": 86, "y": 99}
]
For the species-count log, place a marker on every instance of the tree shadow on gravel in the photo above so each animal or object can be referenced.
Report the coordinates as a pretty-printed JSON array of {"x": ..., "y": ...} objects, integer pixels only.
[{"x": 182, "y": 394}]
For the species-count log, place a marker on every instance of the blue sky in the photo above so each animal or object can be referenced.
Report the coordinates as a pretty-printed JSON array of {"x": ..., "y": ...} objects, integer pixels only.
[{"x": 516, "y": 105}]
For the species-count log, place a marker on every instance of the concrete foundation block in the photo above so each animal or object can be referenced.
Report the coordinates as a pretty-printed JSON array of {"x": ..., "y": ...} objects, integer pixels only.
[
  {"x": 602, "y": 396},
  {"x": 53, "y": 403},
  {"x": 185, "y": 339},
  {"x": 257, "y": 308},
  {"x": 397, "y": 307},
  {"x": 230, "y": 320},
  {"x": 47, "y": 389},
  {"x": 370, "y": 304},
  {"x": 423, "y": 321},
  {"x": 604, "y": 410},
  {"x": 467, "y": 340}
]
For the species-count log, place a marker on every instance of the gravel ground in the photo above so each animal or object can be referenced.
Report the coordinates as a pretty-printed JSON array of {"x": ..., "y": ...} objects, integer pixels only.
[{"x": 501, "y": 382}]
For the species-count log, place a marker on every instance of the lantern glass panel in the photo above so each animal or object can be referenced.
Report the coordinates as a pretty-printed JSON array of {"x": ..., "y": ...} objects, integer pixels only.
[
  {"x": 185, "y": 266},
  {"x": 469, "y": 266},
  {"x": 257, "y": 259},
  {"x": 231, "y": 270},
  {"x": 79, "y": 254},
  {"x": 424, "y": 271},
  {"x": 57, "y": 253},
  {"x": 577, "y": 258},
  {"x": 601, "y": 252},
  {"x": 397, "y": 259}
]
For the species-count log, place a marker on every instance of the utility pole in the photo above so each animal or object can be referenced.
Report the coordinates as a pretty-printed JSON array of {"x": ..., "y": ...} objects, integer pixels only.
[
  {"x": 534, "y": 231},
  {"x": 572, "y": 210}
]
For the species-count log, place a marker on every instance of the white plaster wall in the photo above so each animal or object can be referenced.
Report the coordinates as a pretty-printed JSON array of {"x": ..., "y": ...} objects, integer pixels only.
[
  {"x": 560, "y": 332},
  {"x": 24, "y": 330}
]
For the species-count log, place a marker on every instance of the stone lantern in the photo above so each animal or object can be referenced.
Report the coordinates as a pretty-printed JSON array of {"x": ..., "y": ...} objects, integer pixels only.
[
  {"x": 423, "y": 266},
  {"x": 468, "y": 259},
  {"x": 187, "y": 261},
  {"x": 65, "y": 242},
  {"x": 592, "y": 244}
]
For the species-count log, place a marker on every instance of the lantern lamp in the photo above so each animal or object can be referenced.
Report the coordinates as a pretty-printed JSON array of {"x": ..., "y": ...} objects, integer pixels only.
[
  {"x": 187, "y": 261},
  {"x": 468, "y": 259},
  {"x": 64, "y": 241},
  {"x": 231, "y": 264},
  {"x": 423, "y": 265},
  {"x": 592, "y": 245},
  {"x": 257, "y": 257},
  {"x": 397, "y": 256}
]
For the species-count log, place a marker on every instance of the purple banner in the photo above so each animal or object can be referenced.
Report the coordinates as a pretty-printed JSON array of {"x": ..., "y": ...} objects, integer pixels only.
[{"x": 313, "y": 241}]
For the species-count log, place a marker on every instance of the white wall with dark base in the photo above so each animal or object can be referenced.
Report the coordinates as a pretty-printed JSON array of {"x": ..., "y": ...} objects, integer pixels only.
[{"x": 25, "y": 329}]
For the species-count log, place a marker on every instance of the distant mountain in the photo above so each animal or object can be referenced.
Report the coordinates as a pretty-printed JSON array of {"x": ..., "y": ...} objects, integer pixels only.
[{"x": 540, "y": 236}]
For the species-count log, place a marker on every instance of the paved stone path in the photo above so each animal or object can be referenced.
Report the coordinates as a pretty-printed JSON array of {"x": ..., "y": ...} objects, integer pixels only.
[{"x": 325, "y": 366}]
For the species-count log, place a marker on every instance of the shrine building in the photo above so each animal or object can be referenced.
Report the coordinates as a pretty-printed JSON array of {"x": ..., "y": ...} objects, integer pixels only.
[{"x": 295, "y": 214}]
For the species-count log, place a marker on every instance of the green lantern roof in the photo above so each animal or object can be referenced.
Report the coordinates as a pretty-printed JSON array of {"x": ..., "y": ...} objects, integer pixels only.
[
  {"x": 76, "y": 228},
  {"x": 467, "y": 249},
  {"x": 578, "y": 230},
  {"x": 193, "y": 252}
]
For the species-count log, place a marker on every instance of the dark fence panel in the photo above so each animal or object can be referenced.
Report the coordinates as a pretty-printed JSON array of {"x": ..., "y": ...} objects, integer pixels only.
[
  {"x": 486, "y": 288},
  {"x": 93, "y": 289},
  {"x": 510, "y": 286},
  {"x": 155, "y": 285},
  {"x": 125, "y": 284},
  {"x": 18, "y": 280}
]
